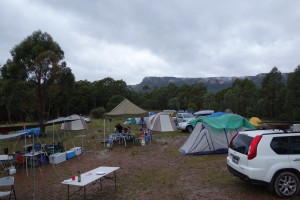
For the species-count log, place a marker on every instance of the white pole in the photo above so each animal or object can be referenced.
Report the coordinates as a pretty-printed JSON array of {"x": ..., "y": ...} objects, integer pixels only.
[
  {"x": 33, "y": 164},
  {"x": 104, "y": 133},
  {"x": 26, "y": 152},
  {"x": 82, "y": 139}
]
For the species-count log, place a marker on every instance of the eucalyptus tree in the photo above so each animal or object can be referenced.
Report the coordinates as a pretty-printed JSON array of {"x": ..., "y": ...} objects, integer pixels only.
[
  {"x": 114, "y": 101},
  {"x": 245, "y": 93},
  {"x": 59, "y": 95},
  {"x": 173, "y": 103},
  {"x": 292, "y": 103},
  {"x": 104, "y": 89},
  {"x": 39, "y": 58},
  {"x": 270, "y": 93},
  {"x": 183, "y": 94},
  {"x": 210, "y": 102},
  {"x": 15, "y": 94},
  {"x": 196, "y": 95},
  {"x": 81, "y": 100}
]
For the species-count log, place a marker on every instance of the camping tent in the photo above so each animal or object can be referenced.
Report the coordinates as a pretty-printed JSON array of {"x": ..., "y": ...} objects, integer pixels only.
[
  {"x": 161, "y": 122},
  {"x": 74, "y": 123},
  {"x": 126, "y": 107},
  {"x": 213, "y": 135}
]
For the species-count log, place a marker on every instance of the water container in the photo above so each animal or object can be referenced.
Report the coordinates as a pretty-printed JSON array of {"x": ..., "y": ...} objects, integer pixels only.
[{"x": 296, "y": 127}]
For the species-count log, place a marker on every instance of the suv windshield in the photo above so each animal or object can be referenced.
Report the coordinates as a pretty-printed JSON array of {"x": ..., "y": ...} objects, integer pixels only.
[
  {"x": 188, "y": 115},
  {"x": 241, "y": 143}
]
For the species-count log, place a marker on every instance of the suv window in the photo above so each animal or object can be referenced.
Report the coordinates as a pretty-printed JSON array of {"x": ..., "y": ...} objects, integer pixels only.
[
  {"x": 295, "y": 145},
  {"x": 280, "y": 145},
  {"x": 241, "y": 143}
]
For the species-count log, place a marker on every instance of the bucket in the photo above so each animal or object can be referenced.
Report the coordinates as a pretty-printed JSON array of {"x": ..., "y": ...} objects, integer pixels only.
[
  {"x": 12, "y": 170},
  {"x": 143, "y": 142}
]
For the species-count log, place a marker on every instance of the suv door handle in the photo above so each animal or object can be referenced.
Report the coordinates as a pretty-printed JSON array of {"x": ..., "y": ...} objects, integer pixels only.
[{"x": 296, "y": 159}]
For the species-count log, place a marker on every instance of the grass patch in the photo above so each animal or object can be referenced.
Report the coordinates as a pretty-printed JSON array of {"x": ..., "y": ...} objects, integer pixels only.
[
  {"x": 208, "y": 167},
  {"x": 174, "y": 152},
  {"x": 155, "y": 178}
]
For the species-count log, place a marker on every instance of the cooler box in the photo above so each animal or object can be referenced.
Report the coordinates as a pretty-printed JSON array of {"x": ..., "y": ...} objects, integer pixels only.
[
  {"x": 70, "y": 154},
  {"x": 57, "y": 158},
  {"x": 77, "y": 150}
]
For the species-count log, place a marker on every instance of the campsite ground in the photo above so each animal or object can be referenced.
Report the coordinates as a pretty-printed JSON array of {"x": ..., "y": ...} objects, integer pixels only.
[{"x": 156, "y": 171}]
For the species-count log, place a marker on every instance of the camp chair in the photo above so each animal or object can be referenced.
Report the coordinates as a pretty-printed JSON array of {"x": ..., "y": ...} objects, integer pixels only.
[
  {"x": 5, "y": 183},
  {"x": 37, "y": 147}
]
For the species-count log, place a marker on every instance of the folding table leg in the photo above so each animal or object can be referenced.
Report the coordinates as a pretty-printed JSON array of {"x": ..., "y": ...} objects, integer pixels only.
[{"x": 115, "y": 180}]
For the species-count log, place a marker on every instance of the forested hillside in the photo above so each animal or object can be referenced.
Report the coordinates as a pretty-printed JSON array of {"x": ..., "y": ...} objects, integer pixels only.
[{"x": 213, "y": 84}]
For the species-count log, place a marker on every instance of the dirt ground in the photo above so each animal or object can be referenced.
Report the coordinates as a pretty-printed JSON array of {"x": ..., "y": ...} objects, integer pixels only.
[{"x": 156, "y": 171}]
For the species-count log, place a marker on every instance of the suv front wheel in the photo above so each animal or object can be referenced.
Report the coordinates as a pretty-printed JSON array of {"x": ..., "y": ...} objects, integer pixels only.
[
  {"x": 189, "y": 129},
  {"x": 286, "y": 184}
]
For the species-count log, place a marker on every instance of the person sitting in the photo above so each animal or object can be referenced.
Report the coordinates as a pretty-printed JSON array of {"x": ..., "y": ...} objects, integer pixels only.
[{"x": 119, "y": 128}]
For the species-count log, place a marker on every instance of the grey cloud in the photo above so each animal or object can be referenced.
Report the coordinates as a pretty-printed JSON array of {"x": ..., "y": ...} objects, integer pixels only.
[{"x": 182, "y": 38}]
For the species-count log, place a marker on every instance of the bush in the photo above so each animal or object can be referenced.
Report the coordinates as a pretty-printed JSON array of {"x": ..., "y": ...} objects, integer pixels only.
[{"x": 98, "y": 113}]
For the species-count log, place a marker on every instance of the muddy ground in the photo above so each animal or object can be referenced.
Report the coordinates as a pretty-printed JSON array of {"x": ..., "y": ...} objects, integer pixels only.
[{"x": 153, "y": 171}]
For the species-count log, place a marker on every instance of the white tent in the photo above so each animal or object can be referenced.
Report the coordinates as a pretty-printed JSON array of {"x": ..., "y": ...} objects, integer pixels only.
[
  {"x": 161, "y": 122},
  {"x": 206, "y": 139},
  {"x": 74, "y": 123}
]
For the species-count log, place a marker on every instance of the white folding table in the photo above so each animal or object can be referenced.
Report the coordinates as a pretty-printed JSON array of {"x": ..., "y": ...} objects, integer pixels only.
[{"x": 91, "y": 176}]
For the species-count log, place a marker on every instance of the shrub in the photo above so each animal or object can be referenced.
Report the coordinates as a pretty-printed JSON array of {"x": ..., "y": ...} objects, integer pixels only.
[{"x": 98, "y": 113}]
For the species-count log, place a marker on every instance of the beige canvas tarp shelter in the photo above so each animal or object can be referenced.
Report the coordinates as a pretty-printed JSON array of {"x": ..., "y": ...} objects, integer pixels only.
[{"x": 126, "y": 107}]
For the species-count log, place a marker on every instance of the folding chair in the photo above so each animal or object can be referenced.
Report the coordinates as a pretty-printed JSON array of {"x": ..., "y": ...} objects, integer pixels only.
[{"x": 5, "y": 183}]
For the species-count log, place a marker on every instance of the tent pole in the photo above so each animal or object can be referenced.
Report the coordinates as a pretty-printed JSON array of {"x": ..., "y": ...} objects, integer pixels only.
[
  {"x": 53, "y": 137},
  {"x": 104, "y": 133},
  {"x": 26, "y": 152},
  {"x": 82, "y": 139},
  {"x": 33, "y": 165}
]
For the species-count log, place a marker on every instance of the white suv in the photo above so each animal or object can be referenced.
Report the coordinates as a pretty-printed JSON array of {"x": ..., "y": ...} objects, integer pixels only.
[
  {"x": 184, "y": 117},
  {"x": 268, "y": 157}
]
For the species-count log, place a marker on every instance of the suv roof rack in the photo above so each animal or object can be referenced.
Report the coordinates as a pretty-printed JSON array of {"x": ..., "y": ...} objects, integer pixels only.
[{"x": 282, "y": 125}]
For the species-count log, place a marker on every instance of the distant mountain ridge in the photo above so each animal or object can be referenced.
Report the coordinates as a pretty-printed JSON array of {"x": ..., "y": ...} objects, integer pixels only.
[{"x": 213, "y": 84}]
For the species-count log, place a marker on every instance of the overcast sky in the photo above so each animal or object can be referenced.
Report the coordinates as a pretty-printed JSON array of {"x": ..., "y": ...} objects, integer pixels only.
[{"x": 132, "y": 39}]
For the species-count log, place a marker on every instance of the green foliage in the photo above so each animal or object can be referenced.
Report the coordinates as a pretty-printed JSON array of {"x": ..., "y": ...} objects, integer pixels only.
[
  {"x": 98, "y": 113},
  {"x": 114, "y": 101},
  {"x": 270, "y": 90},
  {"x": 292, "y": 103},
  {"x": 173, "y": 103},
  {"x": 36, "y": 60}
]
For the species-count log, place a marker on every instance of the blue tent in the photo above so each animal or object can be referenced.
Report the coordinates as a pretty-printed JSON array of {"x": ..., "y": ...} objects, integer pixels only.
[
  {"x": 216, "y": 114},
  {"x": 132, "y": 121}
]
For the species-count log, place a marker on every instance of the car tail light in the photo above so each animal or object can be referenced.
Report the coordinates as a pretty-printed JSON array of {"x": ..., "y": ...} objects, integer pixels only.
[
  {"x": 233, "y": 138},
  {"x": 253, "y": 147}
]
